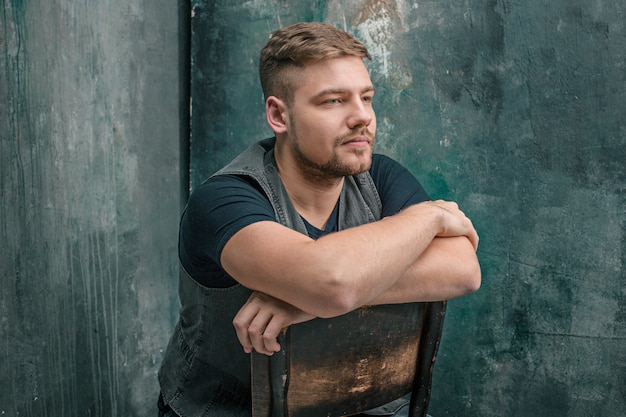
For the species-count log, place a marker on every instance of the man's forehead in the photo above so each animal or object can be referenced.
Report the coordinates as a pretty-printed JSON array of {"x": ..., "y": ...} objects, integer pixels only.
[{"x": 335, "y": 75}]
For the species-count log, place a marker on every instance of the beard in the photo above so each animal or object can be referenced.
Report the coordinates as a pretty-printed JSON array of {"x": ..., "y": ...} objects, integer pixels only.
[{"x": 335, "y": 167}]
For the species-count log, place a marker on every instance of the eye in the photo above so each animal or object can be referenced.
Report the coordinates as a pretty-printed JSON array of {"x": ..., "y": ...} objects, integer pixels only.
[{"x": 332, "y": 101}]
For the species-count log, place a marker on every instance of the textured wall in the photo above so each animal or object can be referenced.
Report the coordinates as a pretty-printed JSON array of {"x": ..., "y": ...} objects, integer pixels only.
[
  {"x": 514, "y": 109},
  {"x": 90, "y": 188}
]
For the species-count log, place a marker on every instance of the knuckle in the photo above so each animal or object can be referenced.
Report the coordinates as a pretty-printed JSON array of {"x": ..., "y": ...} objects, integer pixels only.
[{"x": 254, "y": 329}]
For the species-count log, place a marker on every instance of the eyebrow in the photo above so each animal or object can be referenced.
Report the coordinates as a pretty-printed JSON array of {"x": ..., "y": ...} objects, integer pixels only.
[{"x": 330, "y": 91}]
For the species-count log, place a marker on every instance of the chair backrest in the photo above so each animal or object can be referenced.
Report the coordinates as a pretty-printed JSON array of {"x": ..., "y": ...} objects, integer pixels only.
[{"x": 351, "y": 363}]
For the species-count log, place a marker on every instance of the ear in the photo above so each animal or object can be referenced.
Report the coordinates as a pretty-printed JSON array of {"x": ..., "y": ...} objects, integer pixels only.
[{"x": 276, "y": 113}]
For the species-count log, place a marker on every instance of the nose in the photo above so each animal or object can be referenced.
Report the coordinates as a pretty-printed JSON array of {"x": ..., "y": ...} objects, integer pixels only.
[{"x": 361, "y": 114}]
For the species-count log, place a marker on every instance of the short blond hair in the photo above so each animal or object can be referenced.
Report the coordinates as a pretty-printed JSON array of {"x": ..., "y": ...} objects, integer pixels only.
[{"x": 292, "y": 47}]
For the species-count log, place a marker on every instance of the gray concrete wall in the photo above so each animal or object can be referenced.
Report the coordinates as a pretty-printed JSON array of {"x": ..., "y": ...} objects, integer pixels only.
[
  {"x": 90, "y": 188},
  {"x": 514, "y": 109}
]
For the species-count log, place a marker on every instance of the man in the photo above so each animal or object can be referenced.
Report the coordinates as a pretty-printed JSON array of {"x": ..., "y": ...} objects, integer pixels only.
[{"x": 307, "y": 224}]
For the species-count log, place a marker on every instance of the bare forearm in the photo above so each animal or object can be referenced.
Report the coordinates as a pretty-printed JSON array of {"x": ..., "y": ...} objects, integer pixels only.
[
  {"x": 441, "y": 263},
  {"x": 447, "y": 269},
  {"x": 344, "y": 270},
  {"x": 366, "y": 261}
]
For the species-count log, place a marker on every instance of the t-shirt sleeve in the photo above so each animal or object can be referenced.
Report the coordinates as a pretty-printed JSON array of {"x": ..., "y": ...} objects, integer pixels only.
[
  {"x": 397, "y": 186},
  {"x": 216, "y": 210}
]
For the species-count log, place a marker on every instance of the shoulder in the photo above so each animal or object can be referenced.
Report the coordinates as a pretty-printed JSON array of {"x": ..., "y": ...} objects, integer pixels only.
[
  {"x": 226, "y": 201},
  {"x": 220, "y": 207},
  {"x": 219, "y": 187}
]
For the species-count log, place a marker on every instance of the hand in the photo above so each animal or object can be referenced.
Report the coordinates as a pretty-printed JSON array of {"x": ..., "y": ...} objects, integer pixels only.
[
  {"x": 452, "y": 221},
  {"x": 261, "y": 319},
  {"x": 456, "y": 223}
]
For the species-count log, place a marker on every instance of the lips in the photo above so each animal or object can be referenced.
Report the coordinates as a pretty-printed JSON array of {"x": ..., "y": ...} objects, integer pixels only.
[
  {"x": 361, "y": 139},
  {"x": 357, "y": 141}
]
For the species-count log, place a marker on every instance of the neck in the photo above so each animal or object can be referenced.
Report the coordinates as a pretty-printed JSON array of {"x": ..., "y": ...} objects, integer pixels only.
[{"x": 314, "y": 197}]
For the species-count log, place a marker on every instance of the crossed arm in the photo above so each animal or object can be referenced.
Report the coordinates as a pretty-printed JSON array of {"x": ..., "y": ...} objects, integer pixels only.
[{"x": 424, "y": 253}]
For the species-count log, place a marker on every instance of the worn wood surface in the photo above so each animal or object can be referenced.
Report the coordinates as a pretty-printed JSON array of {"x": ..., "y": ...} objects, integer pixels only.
[{"x": 349, "y": 364}]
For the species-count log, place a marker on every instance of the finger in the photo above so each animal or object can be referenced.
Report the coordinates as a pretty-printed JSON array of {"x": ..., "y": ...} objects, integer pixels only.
[
  {"x": 474, "y": 239},
  {"x": 242, "y": 322},
  {"x": 472, "y": 234},
  {"x": 244, "y": 339},
  {"x": 270, "y": 335},
  {"x": 256, "y": 330}
]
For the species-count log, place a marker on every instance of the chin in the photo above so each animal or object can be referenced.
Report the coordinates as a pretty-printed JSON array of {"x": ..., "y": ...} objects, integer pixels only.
[{"x": 363, "y": 165}]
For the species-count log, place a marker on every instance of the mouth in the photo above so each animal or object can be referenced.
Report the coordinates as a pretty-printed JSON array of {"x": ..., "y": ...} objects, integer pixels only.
[{"x": 358, "y": 141}]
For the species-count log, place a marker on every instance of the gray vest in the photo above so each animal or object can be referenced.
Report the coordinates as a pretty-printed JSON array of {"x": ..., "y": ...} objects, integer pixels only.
[{"x": 205, "y": 371}]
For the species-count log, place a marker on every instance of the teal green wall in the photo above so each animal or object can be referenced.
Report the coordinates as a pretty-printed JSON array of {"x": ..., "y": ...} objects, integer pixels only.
[{"x": 515, "y": 110}]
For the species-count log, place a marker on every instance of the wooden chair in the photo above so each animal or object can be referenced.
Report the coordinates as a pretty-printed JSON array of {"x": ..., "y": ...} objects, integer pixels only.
[{"x": 350, "y": 364}]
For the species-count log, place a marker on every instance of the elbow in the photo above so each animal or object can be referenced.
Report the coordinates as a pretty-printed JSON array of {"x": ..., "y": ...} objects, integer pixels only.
[
  {"x": 339, "y": 297},
  {"x": 338, "y": 304},
  {"x": 472, "y": 278},
  {"x": 469, "y": 275}
]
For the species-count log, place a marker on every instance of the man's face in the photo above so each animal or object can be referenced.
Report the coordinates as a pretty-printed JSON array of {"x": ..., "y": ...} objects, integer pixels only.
[{"x": 332, "y": 123}]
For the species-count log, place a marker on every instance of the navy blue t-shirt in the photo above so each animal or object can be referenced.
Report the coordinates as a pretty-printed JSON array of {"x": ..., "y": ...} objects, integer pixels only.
[{"x": 225, "y": 204}]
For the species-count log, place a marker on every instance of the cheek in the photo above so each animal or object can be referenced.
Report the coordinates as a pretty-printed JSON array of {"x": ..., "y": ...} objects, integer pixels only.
[{"x": 318, "y": 132}]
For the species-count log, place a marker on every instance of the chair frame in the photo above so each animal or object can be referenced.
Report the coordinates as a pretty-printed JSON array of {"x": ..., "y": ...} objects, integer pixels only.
[{"x": 375, "y": 345}]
